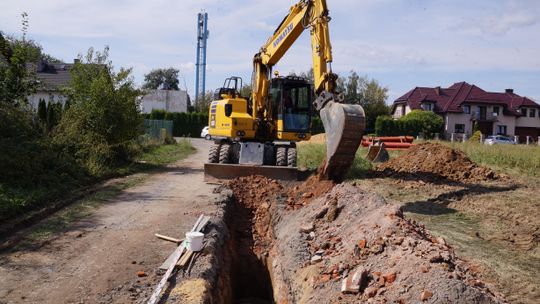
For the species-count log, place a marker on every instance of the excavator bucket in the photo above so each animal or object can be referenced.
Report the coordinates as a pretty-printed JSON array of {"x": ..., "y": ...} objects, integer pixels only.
[
  {"x": 344, "y": 125},
  {"x": 377, "y": 153}
]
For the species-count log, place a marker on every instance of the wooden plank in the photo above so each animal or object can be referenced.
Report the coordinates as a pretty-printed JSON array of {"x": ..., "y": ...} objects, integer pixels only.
[
  {"x": 202, "y": 224},
  {"x": 170, "y": 260},
  {"x": 157, "y": 292},
  {"x": 175, "y": 257},
  {"x": 185, "y": 258}
]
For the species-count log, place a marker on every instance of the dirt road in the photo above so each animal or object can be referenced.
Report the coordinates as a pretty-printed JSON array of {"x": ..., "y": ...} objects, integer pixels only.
[{"x": 97, "y": 259}]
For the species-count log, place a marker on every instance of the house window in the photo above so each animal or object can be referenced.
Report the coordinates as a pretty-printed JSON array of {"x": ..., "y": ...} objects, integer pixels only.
[
  {"x": 496, "y": 111},
  {"x": 532, "y": 112},
  {"x": 501, "y": 130},
  {"x": 524, "y": 112},
  {"x": 427, "y": 106},
  {"x": 467, "y": 109},
  {"x": 459, "y": 128}
]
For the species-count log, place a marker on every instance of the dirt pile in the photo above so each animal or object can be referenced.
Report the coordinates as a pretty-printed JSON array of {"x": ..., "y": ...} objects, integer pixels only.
[
  {"x": 434, "y": 161},
  {"x": 349, "y": 246}
]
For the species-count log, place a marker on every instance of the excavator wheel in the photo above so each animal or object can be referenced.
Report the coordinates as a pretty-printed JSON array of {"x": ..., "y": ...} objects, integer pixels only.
[
  {"x": 213, "y": 153},
  {"x": 235, "y": 153},
  {"x": 281, "y": 156},
  {"x": 225, "y": 153},
  {"x": 344, "y": 125},
  {"x": 291, "y": 157}
]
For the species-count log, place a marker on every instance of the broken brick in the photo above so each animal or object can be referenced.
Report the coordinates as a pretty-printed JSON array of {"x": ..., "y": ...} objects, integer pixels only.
[
  {"x": 426, "y": 295},
  {"x": 362, "y": 243},
  {"x": 141, "y": 274},
  {"x": 390, "y": 278},
  {"x": 307, "y": 227},
  {"x": 370, "y": 292},
  {"x": 352, "y": 283}
]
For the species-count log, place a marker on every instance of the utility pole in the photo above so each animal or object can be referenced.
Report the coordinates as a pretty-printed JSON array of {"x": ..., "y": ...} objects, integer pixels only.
[{"x": 202, "y": 37}]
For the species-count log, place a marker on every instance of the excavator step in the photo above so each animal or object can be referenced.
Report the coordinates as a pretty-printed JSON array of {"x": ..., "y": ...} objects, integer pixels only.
[{"x": 214, "y": 173}]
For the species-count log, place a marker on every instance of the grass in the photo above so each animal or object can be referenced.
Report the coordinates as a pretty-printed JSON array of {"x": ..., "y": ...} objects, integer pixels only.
[
  {"x": 516, "y": 160},
  {"x": 166, "y": 154},
  {"x": 510, "y": 159},
  {"x": 310, "y": 156},
  {"x": 18, "y": 201}
]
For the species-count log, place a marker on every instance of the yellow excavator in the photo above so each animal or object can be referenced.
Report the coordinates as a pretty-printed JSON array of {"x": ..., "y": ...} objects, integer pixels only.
[{"x": 257, "y": 134}]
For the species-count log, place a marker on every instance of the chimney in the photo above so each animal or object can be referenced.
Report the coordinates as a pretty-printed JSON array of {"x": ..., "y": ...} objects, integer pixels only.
[
  {"x": 438, "y": 91},
  {"x": 509, "y": 91},
  {"x": 76, "y": 60}
]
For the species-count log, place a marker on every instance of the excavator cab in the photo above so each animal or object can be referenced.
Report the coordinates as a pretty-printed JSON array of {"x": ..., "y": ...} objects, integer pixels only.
[{"x": 290, "y": 99}]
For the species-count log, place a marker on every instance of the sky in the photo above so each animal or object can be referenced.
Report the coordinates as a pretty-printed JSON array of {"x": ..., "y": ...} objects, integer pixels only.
[{"x": 493, "y": 44}]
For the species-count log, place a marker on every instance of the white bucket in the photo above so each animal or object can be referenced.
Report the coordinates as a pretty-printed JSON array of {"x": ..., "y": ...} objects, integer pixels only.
[{"x": 194, "y": 241}]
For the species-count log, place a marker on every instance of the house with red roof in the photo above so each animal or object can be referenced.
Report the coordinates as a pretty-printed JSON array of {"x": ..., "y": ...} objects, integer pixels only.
[{"x": 465, "y": 107}]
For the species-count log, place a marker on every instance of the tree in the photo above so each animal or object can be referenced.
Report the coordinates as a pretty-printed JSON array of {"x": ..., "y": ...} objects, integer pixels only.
[
  {"x": 202, "y": 106},
  {"x": 17, "y": 82},
  {"x": 367, "y": 93},
  {"x": 165, "y": 79},
  {"x": 102, "y": 124}
]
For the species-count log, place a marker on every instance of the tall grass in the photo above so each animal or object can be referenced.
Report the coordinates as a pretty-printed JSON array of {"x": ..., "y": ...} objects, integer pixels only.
[
  {"x": 310, "y": 156},
  {"x": 511, "y": 159}
]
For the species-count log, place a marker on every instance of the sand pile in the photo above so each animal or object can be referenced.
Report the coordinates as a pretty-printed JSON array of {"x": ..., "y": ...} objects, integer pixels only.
[{"x": 432, "y": 161}]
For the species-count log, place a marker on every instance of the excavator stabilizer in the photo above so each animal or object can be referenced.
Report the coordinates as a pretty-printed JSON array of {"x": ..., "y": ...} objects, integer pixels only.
[
  {"x": 216, "y": 173},
  {"x": 344, "y": 125}
]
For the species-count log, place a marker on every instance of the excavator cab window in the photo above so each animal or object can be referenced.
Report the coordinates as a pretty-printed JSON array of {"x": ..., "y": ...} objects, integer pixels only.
[{"x": 291, "y": 101}]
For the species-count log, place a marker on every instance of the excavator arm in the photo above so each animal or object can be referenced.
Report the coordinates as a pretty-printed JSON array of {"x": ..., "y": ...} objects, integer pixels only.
[{"x": 344, "y": 124}]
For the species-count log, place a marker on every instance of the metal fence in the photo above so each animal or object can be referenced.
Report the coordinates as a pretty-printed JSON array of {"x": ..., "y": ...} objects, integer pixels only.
[{"x": 153, "y": 128}]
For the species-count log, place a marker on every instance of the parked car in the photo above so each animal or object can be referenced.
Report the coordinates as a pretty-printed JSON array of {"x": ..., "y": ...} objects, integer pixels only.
[
  {"x": 204, "y": 133},
  {"x": 499, "y": 139}
]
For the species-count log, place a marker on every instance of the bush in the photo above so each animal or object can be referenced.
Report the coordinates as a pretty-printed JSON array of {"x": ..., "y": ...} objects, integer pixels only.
[
  {"x": 102, "y": 124},
  {"x": 476, "y": 136},
  {"x": 426, "y": 122},
  {"x": 412, "y": 124},
  {"x": 32, "y": 169}
]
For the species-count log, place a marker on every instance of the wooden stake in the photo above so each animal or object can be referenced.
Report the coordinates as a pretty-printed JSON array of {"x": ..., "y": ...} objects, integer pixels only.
[{"x": 168, "y": 238}]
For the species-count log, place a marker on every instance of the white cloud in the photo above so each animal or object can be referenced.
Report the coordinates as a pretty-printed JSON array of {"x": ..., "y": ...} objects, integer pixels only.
[{"x": 370, "y": 36}]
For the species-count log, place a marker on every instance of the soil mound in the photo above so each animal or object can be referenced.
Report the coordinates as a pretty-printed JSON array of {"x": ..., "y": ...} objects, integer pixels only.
[
  {"x": 349, "y": 246},
  {"x": 432, "y": 161}
]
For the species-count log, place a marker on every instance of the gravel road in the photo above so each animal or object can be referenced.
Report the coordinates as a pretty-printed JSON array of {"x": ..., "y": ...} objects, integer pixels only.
[{"x": 97, "y": 259}]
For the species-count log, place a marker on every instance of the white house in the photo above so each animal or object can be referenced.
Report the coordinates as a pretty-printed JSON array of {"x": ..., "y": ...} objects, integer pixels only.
[
  {"x": 168, "y": 100},
  {"x": 51, "y": 77}
]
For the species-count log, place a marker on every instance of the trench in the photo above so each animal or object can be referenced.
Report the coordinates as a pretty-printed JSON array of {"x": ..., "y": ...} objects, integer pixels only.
[{"x": 250, "y": 279}]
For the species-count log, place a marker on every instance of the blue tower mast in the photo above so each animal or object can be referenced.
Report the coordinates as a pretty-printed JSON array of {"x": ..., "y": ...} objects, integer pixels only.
[{"x": 202, "y": 37}]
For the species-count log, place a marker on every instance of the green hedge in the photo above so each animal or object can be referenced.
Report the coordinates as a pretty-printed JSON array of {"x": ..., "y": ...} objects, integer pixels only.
[
  {"x": 412, "y": 124},
  {"x": 184, "y": 124}
]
